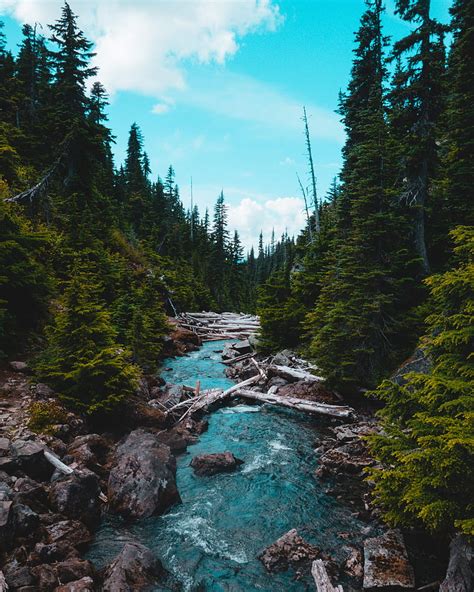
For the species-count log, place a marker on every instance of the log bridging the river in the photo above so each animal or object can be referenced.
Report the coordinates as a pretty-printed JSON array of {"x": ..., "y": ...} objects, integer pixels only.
[{"x": 210, "y": 326}]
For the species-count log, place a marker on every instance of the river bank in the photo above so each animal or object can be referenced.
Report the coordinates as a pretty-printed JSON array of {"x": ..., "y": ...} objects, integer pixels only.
[{"x": 49, "y": 519}]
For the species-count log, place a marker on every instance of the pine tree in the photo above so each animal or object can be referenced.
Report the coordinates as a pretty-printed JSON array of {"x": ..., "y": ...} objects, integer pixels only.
[
  {"x": 460, "y": 116},
  {"x": 426, "y": 449},
  {"x": 83, "y": 361},
  {"x": 362, "y": 312},
  {"x": 71, "y": 66},
  {"x": 418, "y": 94}
]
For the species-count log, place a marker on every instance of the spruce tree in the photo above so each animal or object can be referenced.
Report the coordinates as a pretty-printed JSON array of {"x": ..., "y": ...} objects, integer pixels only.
[
  {"x": 362, "y": 312},
  {"x": 419, "y": 97},
  {"x": 83, "y": 361},
  {"x": 426, "y": 449}
]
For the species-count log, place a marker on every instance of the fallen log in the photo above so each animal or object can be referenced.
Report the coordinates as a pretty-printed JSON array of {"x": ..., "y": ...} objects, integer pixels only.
[
  {"x": 237, "y": 359},
  {"x": 321, "y": 578},
  {"x": 459, "y": 576},
  {"x": 340, "y": 411},
  {"x": 295, "y": 373}
]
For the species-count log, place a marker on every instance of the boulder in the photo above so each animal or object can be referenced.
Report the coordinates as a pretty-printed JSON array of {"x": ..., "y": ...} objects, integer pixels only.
[
  {"x": 419, "y": 362},
  {"x": 177, "y": 438},
  {"x": 349, "y": 458},
  {"x": 6, "y": 521},
  {"x": 283, "y": 358},
  {"x": 70, "y": 533},
  {"x": 142, "y": 480},
  {"x": 43, "y": 391},
  {"x": 386, "y": 562},
  {"x": 289, "y": 550},
  {"x": 52, "y": 552},
  {"x": 29, "y": 492},
  {"x": 17, "y": 575},
  {"x": 460, "y": 574},
  {"x": 310, "y": 391},
  {"x": 133, "y": 569},
  {"x": 19, "y": 367},
  {"x": 83, "y": 585},
  {"x": 210, "y": 464},
  {"x": 25, "y": 521},
  {"x": 45, "y": 577},
  {"x": 4, "y": 446},
  {"x": 354, "y": 563},
  {"x": 30, "y": 459},
  {"x": 73, "y": 569},
  {"x": 77, "y": 497}
]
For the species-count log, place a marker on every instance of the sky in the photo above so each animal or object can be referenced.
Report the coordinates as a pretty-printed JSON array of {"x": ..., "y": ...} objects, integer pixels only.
[{"x": 218, "y": 89}]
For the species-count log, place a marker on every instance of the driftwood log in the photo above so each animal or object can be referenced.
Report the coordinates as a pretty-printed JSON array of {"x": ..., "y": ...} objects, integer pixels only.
[
  {"x": 460, "y": 576},
  {"x": 321, "y": 578},
  {"x": 211, "y": 326}
]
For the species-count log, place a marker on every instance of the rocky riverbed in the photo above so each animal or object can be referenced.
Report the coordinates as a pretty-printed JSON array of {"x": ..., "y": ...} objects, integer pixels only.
[{"x": 49, "y": 518}]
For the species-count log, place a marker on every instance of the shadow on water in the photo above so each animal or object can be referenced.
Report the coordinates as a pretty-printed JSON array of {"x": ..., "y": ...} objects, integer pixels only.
[{"x": 211, "y": 540}]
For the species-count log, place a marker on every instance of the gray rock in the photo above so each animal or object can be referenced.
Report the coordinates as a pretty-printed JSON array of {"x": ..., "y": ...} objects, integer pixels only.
[
  {"x": 30, "y": 458},
  {"x": 17, "y": 575},
  {"x": 419, "y": 362},
  {"x": 142, "y": 481},
  {"x": 133, "y": 569},
  {"x": 4, "y": 446},
  {"x": 289, "y": 549},
  {"x": 83, "y": 585},
  {"x": 43, "y": 391},
  {"x": 77, "y": 497},
  {"x": 25, "y": 521},
  {"x": 6, "y": 520},
  {"x": 71, "y": 533},
  {"x": 283, "y": 358},
  {"x": 73, "y": 569},
  {"x": 210, "y": 464},
  {"x": 386, "y": 562},
  {"x": 460, "y": 575},
  {"x": 19, "y": 366}
]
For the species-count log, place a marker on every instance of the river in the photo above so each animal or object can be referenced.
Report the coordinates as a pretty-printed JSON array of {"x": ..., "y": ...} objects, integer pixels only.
[{"x": 210, "y": 542}]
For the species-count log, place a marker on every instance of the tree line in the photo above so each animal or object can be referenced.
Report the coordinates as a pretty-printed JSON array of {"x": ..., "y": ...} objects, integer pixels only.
[
  {"x": 386, "y": 261},
  {"x": 94, "y": 256}
]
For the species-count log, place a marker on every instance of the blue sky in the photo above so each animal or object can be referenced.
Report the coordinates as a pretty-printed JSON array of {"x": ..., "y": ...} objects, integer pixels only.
[{"x": 218, "y": 88}]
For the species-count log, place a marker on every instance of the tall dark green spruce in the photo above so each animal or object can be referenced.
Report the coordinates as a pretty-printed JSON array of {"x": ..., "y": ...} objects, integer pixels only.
[
  {"x": 426, "y": 450},
  {"x": 83, "y": 361},
  {"x": 460, "y": 117},
  {"x": 360, "y": 325},
  {"x": 419, "y": 100}
]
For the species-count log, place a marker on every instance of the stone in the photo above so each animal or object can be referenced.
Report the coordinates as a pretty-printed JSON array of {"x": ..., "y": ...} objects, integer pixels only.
[
  {"x": 177, "y": 438},
  {"x": 43, "y": 391},
  {"x": 419, "y": 362},
  {"x": 4, "y": 446},
  {"x": 31, "y": 460},
  {"x": 142, "y": 481},
  {"x": 349, "y": 458},
  {"x": 49, "y": 553},
  {"x": 45, "y": 577},
  {"x": 25, "y": 521},
  {"x": 29, "y": 492},
  {"x": 73, "y": 569},
  {"x": 19, "y": 367},
  {"x": 17, "y": 575},
  {"x": 77, "y": 497},
  {"x": 6, "y": 519},
  {"x": 83, "y": 585},
  {"x": 354, "y": 564},
  {"x": 289, "y": 549},
  {"x": 460, "y": 573},
  {"x": 386, "y": 562},
  {"x": 211, "y": 464},
  {"x": 133, "y": 569},
  {"x": 69, "y": 532},
  {"x": 283, "y": 358},
  {"x": 311, "y": 391}
]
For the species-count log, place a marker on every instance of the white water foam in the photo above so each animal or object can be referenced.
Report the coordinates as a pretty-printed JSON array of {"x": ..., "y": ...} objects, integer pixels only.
[
  {"x": 277, "y": 445},
  {"x": 201, "y": 533}
]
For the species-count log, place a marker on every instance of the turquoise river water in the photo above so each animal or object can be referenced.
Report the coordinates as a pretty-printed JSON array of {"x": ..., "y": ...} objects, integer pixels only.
[{"x": 210, "y": 542}]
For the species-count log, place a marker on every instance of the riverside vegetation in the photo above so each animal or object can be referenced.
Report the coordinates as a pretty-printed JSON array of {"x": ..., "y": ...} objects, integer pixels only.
[{"x": 95, "y": 256}]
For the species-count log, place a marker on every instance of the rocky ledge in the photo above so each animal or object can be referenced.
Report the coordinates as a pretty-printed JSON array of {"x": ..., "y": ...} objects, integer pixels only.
[{"x": 211, "y": 464}]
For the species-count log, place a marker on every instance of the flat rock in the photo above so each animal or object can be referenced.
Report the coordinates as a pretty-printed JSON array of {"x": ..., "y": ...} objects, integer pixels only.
[
  {"x": 69, "y": 532},
  {"x": 133, "y": 569},
  {"x": 83, "y": 585},
  {"x": 30, "y": 458},
  {"x": 386, "y": 562},
  {"x": 210, "y": 464},
  {"x": 289, "y": 549},
  {"x": 142, "y": 480},
  {"x": 19, "y": 366}
]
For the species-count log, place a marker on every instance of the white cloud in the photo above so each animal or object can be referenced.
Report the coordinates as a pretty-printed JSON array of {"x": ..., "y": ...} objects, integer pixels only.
[
  {"x": 281, "y": 214},
  {"x": 287, "y": 162},
  {"x": 160, "y": 108},
  {"x": 142, "y": 45}
]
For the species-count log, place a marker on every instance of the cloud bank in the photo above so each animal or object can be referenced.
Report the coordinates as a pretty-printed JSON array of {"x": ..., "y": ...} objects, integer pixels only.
[{"x": 142, "y": 46}]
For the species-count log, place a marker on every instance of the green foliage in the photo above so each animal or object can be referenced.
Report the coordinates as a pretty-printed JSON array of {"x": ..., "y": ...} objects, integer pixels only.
[
  {"x": 427, "y": 446},
  {"x": 24, "y": 282},
  {"x": 280, "y": 314},
  {"x": 44, "y": 415},
  {"x": 83, "y": 361}
]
